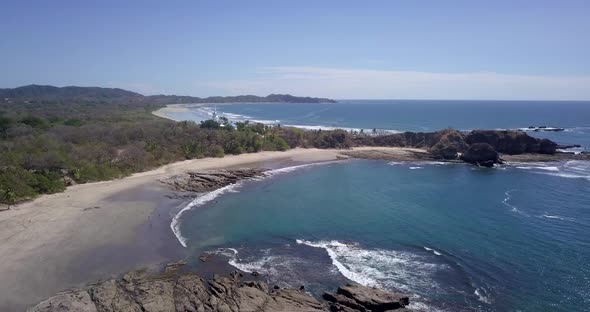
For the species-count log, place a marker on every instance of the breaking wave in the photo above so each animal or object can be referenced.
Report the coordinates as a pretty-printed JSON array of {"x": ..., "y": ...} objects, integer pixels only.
[
  {"x": 379, "y": 267},
  {"x": 506, "y": 200},
  {"x": 434, "y": 251},
  {"x": 572, "y": 169},
  {"x": 556, "y": 217}
]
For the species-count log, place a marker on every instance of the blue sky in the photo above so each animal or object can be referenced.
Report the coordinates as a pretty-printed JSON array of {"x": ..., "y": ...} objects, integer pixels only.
[{"x": 340, "y": 49}]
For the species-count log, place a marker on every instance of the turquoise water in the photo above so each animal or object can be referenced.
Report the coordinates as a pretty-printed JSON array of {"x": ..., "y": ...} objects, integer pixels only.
[{"x": 455, "y": 237}]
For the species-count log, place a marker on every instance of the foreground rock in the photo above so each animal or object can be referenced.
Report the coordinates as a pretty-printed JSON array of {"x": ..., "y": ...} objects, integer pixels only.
[
  {"x": 355, "y": 297},
  {"x": 206, "y": 181},
  {"x": 188, "y": 292}
]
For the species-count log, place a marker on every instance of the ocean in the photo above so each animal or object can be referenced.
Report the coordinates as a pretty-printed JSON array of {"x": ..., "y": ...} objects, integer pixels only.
[{"x": 453, "y": 236}]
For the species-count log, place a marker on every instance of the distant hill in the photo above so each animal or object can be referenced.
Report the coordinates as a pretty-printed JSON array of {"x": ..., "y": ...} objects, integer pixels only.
[{"x": 51, "y": 94}]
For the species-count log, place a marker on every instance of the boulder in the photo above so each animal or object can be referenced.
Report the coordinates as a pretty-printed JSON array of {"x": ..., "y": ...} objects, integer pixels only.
[
  {"x": 357, "y": 297},
  {"x": 482, "y": 154}
]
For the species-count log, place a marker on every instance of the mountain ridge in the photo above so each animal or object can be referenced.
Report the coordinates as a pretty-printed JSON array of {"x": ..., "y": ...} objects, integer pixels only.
[{"x": 48, "y": 93}]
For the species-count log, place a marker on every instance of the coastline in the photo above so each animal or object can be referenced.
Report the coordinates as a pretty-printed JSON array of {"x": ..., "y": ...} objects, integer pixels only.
[
  {"x": 98, "y": 230},
  {"x": 101, "y": 230}
]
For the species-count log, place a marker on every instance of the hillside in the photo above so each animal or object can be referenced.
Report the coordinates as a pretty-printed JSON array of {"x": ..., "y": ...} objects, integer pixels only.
[{"x": 51, "y": 94}]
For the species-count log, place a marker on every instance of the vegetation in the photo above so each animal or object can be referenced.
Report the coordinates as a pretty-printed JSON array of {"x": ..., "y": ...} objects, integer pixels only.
[{"x": 51, "y": 137}]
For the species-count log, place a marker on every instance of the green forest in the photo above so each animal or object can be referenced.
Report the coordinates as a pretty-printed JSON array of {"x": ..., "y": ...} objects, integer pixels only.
[{"x": 46, "y": 145}]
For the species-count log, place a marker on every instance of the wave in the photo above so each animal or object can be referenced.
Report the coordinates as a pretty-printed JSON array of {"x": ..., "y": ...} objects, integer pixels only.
[
  {"x": 349, "y": 129},
  {"x": 506, "y": 200},
  {"x": 420, "y": 164},
  {"x": 433, "y": 251},
  {"x": 283, "y": 270},
  {"x": 537, "y": 129},
  {"x": 378, "y": 267},
  {"x": 573, "y": 169},
  {"x": 557, "y": 217},
  {"x": 232, "y": 188},
  {"x": 482, "y": 295}
]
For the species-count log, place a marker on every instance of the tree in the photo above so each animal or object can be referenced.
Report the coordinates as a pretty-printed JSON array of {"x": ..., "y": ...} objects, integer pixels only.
[
  {"x": 7, "y": 195},
  {"x": 210, "y": 124}
]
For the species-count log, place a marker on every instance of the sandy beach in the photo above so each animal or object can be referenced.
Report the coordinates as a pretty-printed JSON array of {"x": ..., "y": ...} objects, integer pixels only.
[
  {"x": 98, "y": 230},
  {"x": 171, "y": 108}
]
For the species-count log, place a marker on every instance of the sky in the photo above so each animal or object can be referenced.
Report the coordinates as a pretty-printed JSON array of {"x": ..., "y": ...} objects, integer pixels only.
[{"x": 537, "y": 50}]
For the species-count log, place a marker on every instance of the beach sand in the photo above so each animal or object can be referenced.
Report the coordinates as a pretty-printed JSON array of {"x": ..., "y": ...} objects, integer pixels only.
[
  {"x": 171, "y": 108},
  {"x": 98, "y": 230}
]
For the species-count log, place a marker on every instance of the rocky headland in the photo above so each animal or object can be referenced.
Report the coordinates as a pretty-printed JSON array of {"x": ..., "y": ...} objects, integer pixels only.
[
  {"x": 178, "y": 291},
  {"x": 478, "y": 147}
]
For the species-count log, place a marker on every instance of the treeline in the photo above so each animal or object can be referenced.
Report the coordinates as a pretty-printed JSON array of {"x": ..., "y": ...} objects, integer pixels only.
[{"x": 43, "y": 150}]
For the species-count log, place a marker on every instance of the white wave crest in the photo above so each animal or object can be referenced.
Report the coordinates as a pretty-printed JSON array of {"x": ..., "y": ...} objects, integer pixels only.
[
  {"x": 557, "y": 217},
  {"x": 481, "y": 295},
  {"x": 379, "y": 267},
  {"x": 434, "y": 251},
  {"x": 417, "y": 167},
  {"x": 505, "y": 202},
  {"x": 572, "y": 169}
]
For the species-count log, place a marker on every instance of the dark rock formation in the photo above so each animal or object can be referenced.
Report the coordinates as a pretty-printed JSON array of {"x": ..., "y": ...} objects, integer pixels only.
[
  {"x": 424, "y": 140},
  {"x": 188, "y": 292},
  {"x": 445, "y": 144},
  {"x": 206, "y": 181},
  {"x": 450, "y": 143},
  {"x": 511, "y": 142},
  {"x": 482, "y": 154},
  {"x": 355, "y": 297}
]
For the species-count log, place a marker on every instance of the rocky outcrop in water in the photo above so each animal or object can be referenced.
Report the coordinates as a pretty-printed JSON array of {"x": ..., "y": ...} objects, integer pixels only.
[
  {"x": 481, "y": 154},
  {"x": 511, "y": 142},
  {"x": 206, "y": 181},
  {"x": 355, "y": 297},
  {"x": 449, "y": 143},
  {"x": 185, "y": 292}
]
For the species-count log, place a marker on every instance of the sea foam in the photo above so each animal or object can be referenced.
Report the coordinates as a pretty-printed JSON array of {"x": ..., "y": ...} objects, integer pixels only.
[{"x": 379, "y": 267}]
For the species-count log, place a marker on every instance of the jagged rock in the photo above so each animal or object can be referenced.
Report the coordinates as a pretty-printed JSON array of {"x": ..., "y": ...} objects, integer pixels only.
[
  {"x": 174, "y": 291},
  {"x": 206, "y": 181},
  {"x": 447, "y": 143},
  {"x": 450, "y": 144},
  {"x": 370, "y": 299},
  {"x": 511, "y": 142},
  {"x": 79, "y": 301},
  {"x": 482, "y": 154}
]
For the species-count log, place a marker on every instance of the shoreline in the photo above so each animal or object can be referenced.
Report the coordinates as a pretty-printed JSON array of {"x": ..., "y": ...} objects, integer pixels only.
[
  {"x": 98, "y": 230},
  {"x": 171, "y": 108},
  {"x": 103, "y": 229}
]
